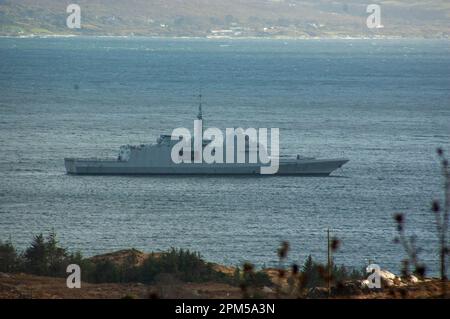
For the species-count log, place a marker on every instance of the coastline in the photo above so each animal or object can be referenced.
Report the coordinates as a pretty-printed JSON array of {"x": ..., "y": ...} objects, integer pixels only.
[{"x": 247, "y": 38}]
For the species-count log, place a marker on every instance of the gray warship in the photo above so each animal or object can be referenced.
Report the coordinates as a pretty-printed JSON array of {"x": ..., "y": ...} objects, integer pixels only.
[{"x": 157, "y": 159}]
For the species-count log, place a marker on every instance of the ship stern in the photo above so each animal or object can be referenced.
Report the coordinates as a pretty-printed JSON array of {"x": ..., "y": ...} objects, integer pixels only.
[{"x": 69, "y": 163}]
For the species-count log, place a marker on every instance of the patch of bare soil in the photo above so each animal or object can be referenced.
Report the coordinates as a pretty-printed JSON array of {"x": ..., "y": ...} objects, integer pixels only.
[
  {"x": 24, "y": 286},
  {"x": 124, "y": 256}
]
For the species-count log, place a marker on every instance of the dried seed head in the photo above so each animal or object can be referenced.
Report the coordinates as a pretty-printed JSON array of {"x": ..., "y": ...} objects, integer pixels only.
[
  {"x": 283, "y": 250},
  {"x": 420, "y": 270},
  {"x": 295, "y": 269},
  {"x": 248, "y": 267},
  {"x": 435, "y": 206},
  {"x": 335, "y": 243},
  {"x": 405, "y": 267},
  {"x": 399, "y": 218}
]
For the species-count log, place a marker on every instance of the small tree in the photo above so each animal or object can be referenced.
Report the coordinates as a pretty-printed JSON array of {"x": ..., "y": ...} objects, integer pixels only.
[
  {"x": 45, "y": 257},
  {"x": 36, "y": 256},
  {"x": 106, "y": 271},
  {"x": 56, "y": 256},
  {"x": 310, "y": 274},
  {"x": 237, "y": 276}
]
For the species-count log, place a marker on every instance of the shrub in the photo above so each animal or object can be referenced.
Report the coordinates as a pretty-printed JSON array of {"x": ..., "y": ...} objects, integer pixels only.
[
  {"x": 128, "y": 271},
  {"x": 258, "y": 279},
  {"x": 313, "y": 274},
  {"x": 44, "y": 257},
  {"x": 104, "y": 271},
  {"x": 182, "y": 264},
  {"x": 310, "y": 274},
  {"x": 36, "y": 256},
  {"x": 10, "y": 260}
]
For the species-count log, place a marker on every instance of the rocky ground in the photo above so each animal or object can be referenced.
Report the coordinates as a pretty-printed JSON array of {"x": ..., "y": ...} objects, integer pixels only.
[{"x": 19, "y": 286}]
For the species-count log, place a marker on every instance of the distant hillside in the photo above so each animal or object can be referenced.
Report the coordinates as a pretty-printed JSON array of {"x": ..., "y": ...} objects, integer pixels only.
[{"x": 230, "y": 18}]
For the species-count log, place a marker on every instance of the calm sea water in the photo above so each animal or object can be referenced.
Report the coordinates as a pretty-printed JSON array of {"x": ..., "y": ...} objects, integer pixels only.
[{"x": 384, "y": 104}]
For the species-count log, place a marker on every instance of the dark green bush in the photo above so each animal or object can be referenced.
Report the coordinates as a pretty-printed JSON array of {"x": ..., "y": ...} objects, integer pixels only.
[
  {"x": 182, "y": 264},
  {"x": 257, "y": 279},
  {"x": 104, "y": 271},
  {"x": 10, "y": 260},
  {"x": 44, "y": 257},
  {"x": 313, "y": 274},
  {"x": 128, "y": 271}
]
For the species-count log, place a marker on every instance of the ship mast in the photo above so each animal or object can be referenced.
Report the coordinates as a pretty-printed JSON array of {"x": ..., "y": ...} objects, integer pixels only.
[
  {"x": 200, "y": 115},
  {"x": 199, "y": 141}
]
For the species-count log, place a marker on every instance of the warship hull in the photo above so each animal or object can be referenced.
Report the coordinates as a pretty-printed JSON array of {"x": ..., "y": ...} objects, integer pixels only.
[{"x": 310, "y": 167}]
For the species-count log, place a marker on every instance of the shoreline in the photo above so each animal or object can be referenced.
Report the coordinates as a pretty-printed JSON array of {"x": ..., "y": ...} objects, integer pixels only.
[{"x": 279, "y": 38}]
